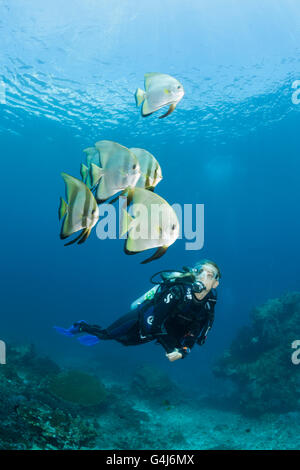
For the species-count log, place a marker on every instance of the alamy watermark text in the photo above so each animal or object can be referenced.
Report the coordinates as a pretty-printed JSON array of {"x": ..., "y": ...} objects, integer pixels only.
[{"x": 2, "y": 352}]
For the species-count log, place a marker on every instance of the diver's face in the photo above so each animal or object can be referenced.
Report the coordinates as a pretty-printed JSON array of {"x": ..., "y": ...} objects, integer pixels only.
[{"x": 207, "y": 276}]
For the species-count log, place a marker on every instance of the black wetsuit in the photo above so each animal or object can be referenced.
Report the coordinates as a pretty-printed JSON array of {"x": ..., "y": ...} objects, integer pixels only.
[{"x": 174, "y": 318}]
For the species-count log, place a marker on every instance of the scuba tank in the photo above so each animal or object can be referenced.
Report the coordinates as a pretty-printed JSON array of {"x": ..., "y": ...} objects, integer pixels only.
[
  {"x": 149, "y": 295},
  {"x": 168, "y": 278}
]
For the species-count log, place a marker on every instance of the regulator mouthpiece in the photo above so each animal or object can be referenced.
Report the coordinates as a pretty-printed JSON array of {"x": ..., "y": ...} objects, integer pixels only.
[{"x": 198, "y": 287}]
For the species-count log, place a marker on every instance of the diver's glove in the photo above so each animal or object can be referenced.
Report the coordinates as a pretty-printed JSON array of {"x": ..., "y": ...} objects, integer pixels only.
[
  {"x": 75, "y": 329},
  {"x": 178, "y": 354}
]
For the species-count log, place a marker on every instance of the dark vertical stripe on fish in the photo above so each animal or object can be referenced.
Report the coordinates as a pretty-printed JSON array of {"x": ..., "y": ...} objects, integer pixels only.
[
  {"x": 127, "y": 167},
  {"x": 86, "y": 207},
  {"x": 149, "y": 171},
  {"x": 155, "y": 174}
]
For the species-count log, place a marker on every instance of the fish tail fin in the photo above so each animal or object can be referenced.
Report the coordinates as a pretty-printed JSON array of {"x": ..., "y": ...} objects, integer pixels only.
[
  {"x": 140, "y": 96},
  {"x": 84, "y": 171},
  {"x": 63, "y": 208},
  {"x": 126, "y": 221},
  {"x": 95, "y": 174},
  {"x": 146, "y": 110}
]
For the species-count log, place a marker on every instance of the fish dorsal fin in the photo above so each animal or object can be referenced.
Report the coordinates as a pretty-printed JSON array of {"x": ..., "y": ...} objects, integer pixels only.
[
  {"x": 148, "y": 77},
  {"x": 144, "y": 196},
  {"x": 84, "y": 171},
  {"x": 143, "y": 155},
  {"x": 92, "y": 156},
  {"x": 106, "y": 148},
  {"x": 63, "y": 207},
  {"x": 73, "y": 185}
]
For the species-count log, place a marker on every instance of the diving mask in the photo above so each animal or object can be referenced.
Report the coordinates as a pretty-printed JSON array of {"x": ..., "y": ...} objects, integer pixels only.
[{"x": 205, "y": 272}]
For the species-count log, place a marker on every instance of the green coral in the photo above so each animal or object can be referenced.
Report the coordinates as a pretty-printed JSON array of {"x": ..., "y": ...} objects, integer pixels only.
[
  {"x": 259, "y": 359},
  {"x": 78, "y": 387},
  {"x": 150, "y": 381}
]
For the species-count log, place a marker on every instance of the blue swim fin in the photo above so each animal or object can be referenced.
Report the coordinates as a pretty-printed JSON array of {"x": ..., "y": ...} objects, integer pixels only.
[
  {"x": 73, "y": 330},
  {"x": 88, "y": 340},
  {"x": 63, "y": 331}
]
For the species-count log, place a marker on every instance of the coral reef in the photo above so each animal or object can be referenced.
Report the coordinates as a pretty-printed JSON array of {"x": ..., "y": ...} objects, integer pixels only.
[
  {"x": 30, "y": 417},
  {"x": 78, "y": 387},
  {"x": 259, "y": 361},
  {"x": 45, "y": 407},
  {"x": 149, "y": 381},
  {"x": 152, "y": 413}
]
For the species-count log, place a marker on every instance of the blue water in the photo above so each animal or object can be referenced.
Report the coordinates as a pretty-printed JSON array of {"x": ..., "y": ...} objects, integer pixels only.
[{"x": 70, "y": 70}]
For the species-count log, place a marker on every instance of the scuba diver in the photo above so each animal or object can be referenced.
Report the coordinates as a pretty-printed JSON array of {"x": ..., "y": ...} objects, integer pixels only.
[{"x": 177, "y": 313}]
